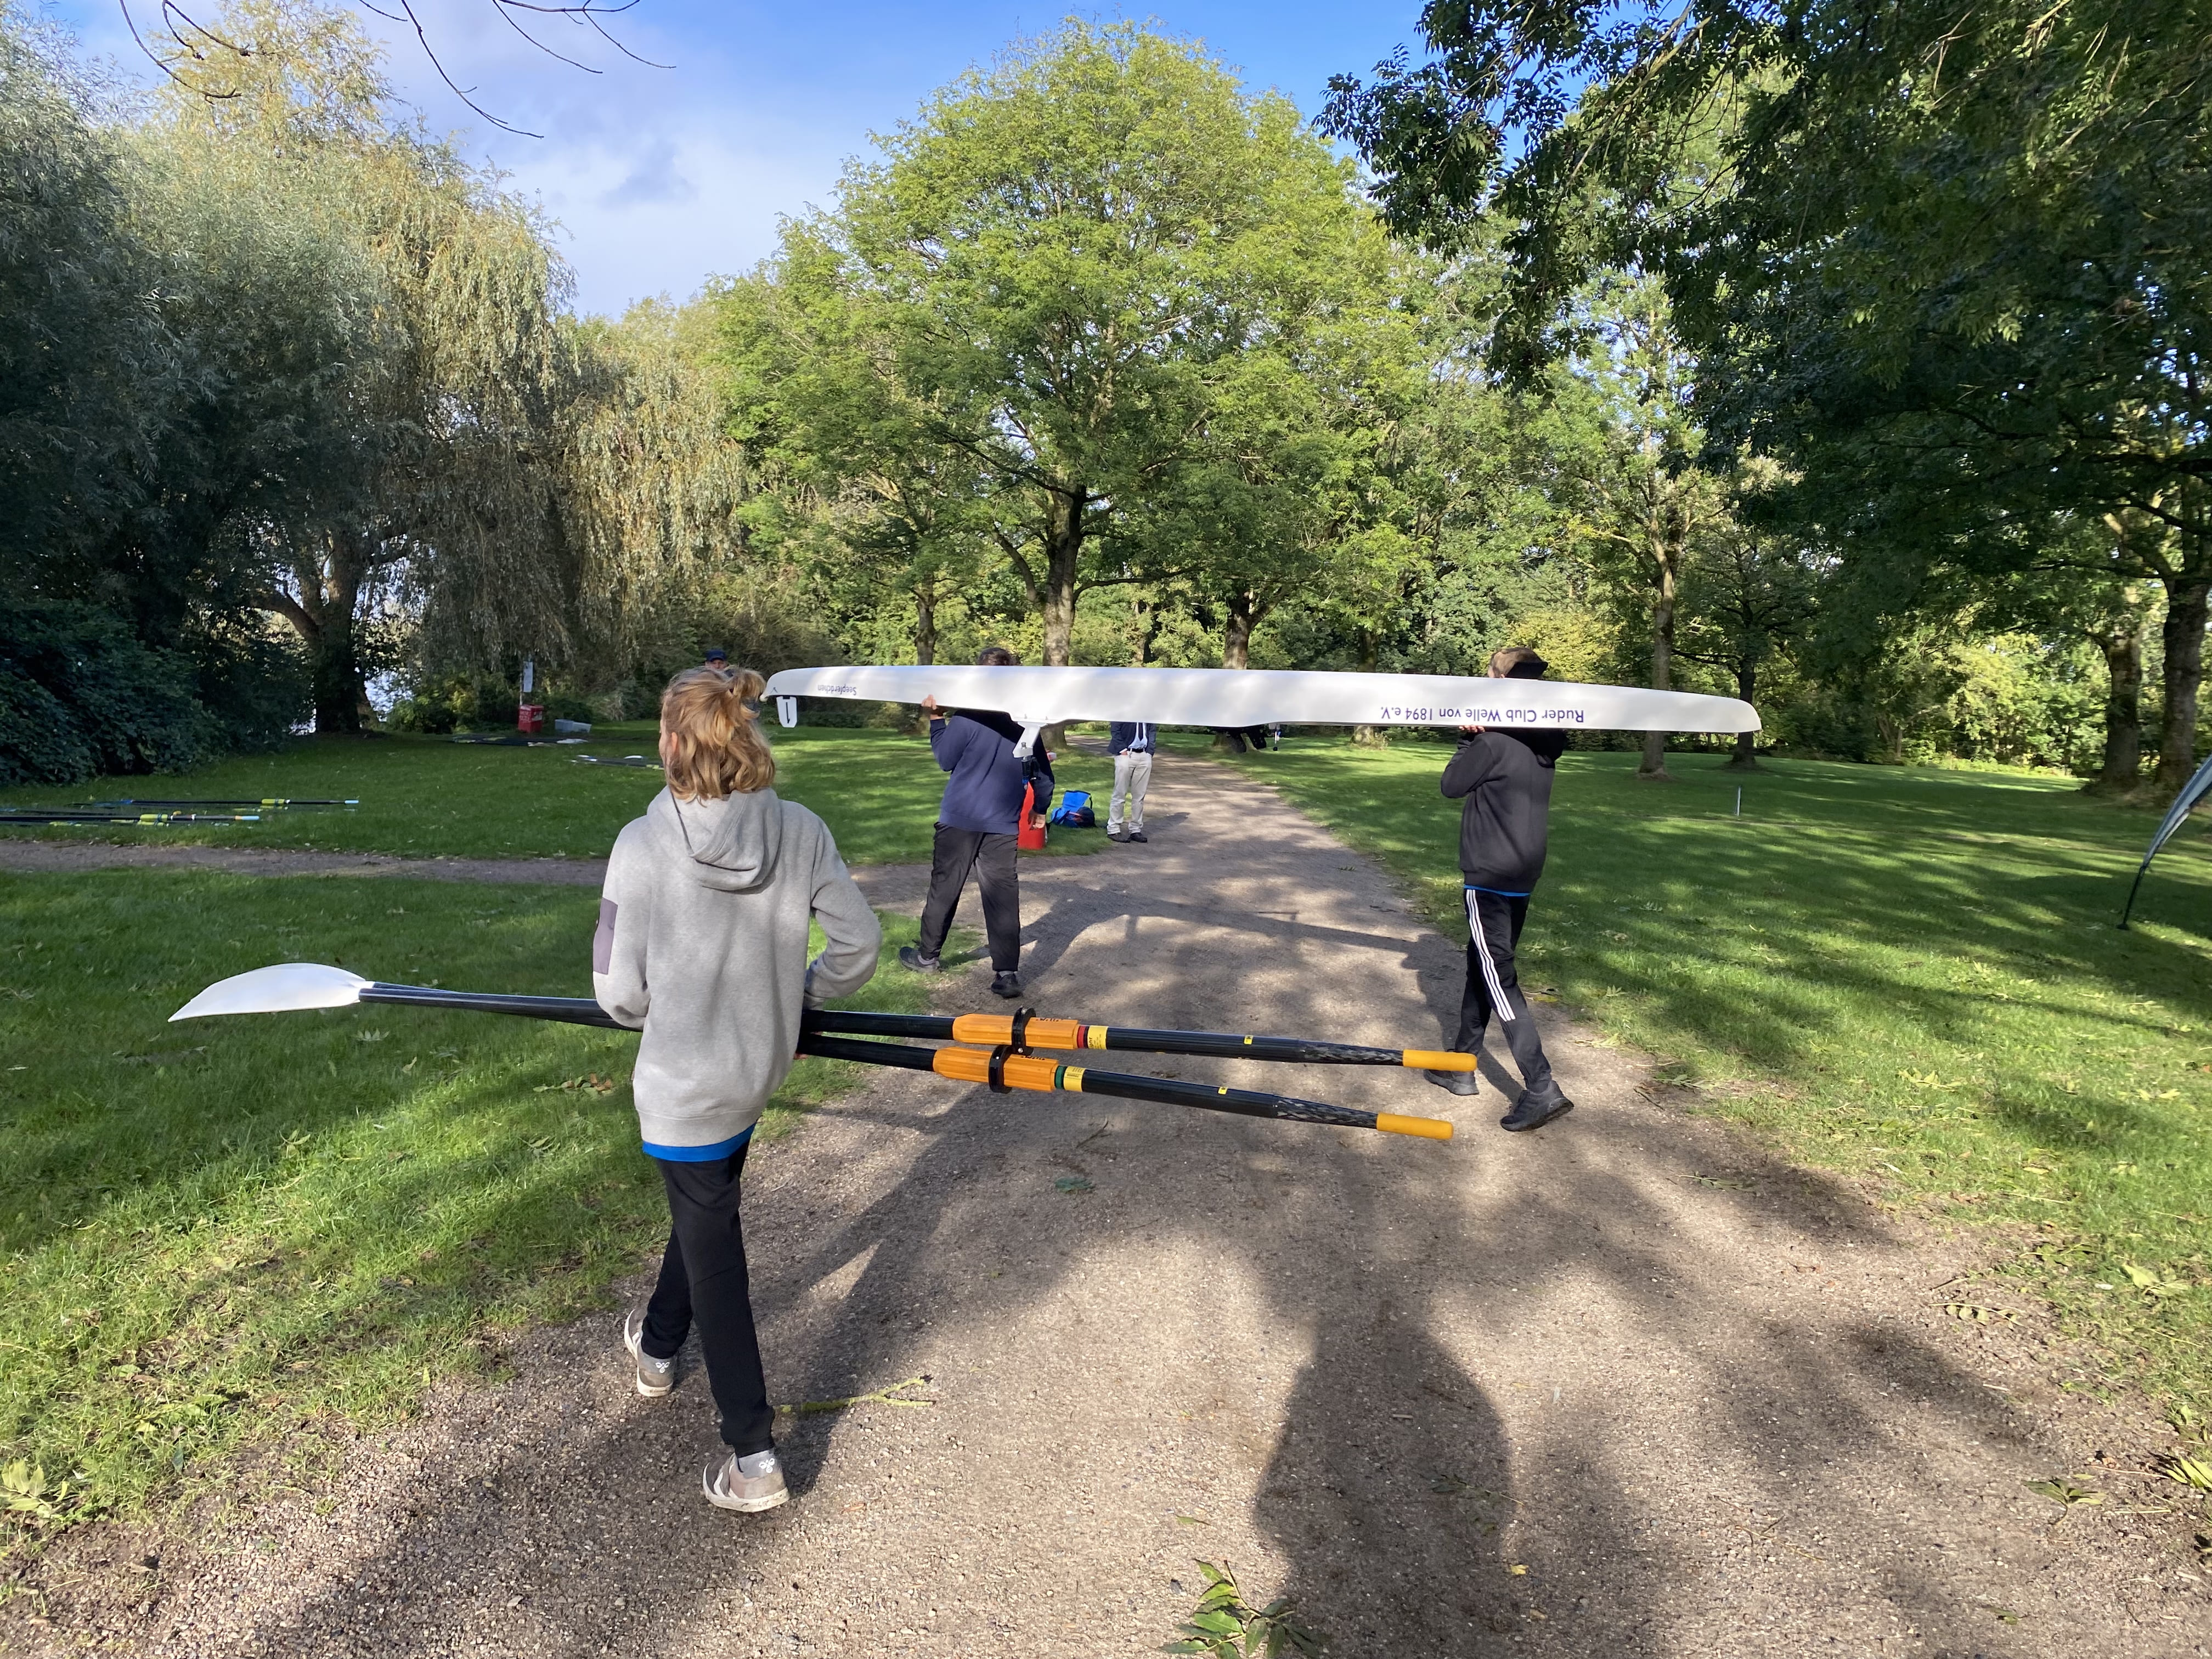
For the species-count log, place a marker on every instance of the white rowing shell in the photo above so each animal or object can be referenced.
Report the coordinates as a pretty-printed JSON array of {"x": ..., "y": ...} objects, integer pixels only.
[{"x": 1260, "y": 696}]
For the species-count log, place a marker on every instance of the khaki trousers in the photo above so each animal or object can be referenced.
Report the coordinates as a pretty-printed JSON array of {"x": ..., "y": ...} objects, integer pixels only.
[{"x": 1132, "y": 772}]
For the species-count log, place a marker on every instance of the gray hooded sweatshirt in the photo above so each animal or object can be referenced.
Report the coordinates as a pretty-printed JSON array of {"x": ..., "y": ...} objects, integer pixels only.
[{"x": 702, "y": 943}]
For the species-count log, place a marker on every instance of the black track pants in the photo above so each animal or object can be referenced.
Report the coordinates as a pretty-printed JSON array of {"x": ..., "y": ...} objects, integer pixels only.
[
  {"x": 1493, "y": 929},
  {"x": 992, "y": 857},
  {"x": 703, "y": 1277}
]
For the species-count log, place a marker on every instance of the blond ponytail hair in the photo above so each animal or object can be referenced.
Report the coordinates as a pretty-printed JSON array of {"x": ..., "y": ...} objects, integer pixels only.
[{"x": 710, "y": 739}]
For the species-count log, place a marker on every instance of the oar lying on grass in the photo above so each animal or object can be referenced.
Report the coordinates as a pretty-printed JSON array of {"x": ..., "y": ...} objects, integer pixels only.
[
  {"x": 297, "y": 985},
  {"x": 62, "y": 815},
  {"x": 265, "y": 803},
  {"x": 1026, "y": 1031}
]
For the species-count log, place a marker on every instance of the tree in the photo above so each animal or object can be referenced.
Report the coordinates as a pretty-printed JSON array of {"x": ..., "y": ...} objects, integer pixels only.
[
  {"x": 1965, "y": 252},
  {"x": 1756, "y": 597},
  {"x": 1628, "y": 468},
  {"x": 1076, "y": 254}
]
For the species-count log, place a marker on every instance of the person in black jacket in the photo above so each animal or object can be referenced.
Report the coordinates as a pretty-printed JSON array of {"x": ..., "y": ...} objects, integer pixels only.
[{"x": 1504, "y": 781}]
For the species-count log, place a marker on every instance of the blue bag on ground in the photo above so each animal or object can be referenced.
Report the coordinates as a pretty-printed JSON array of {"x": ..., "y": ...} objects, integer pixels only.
[{"x": 1074, "y": 812}]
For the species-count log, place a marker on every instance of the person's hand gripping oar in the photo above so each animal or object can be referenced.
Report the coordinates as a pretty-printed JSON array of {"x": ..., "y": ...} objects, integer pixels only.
[{"x": 300, "y": 985}]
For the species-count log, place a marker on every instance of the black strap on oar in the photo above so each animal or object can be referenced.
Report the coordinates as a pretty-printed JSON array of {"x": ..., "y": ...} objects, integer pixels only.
[
  {"x": 997, "y": 1076},
  {"x": 1020, "y": 1031}
]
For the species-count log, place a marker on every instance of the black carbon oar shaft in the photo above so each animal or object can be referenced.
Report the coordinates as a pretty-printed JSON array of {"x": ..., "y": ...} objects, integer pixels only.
[
  {"x": 264, "y": 801},
  {"x": 1003, "y": 1070},
  {"x": 1074, "y": 1035},
  {"x": 10, "y": 816},
  {"x": 570, "y": 1011}
]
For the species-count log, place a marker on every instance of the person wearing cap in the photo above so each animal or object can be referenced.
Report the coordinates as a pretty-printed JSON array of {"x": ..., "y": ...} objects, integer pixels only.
[
  {"x": 1504, "y": 782},
  {"x": 717, "y": 658}
]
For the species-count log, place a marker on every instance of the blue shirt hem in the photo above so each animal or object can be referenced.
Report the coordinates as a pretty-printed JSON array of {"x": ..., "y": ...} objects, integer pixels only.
[
  {"x": 697, "y": 1154},
  {"x": 1499, "y": 892}
]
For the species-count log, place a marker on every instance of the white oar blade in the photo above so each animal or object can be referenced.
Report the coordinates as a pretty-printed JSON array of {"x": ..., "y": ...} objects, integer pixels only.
[{"x": 278, "y": 990}]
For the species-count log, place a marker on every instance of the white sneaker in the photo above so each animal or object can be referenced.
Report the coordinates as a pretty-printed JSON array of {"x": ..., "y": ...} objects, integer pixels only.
[
  {"x": 752, "y": 1483},
  {"x": 653, "y": 1377}
]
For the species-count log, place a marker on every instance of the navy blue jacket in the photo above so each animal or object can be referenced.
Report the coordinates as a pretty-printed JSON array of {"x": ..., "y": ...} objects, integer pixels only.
[
  {"x": 985, "y": 790},
  {"x": 1122, "y": 735}
]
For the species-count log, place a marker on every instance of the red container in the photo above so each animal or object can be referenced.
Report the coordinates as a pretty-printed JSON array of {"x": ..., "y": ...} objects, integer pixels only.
[
  {"x": 1029, "y": 835},
  {"x": 529, "y": 719}
]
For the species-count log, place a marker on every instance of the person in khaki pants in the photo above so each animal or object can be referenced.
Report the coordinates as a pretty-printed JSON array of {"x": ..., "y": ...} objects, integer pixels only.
[{"x": 1131, "y": 743}]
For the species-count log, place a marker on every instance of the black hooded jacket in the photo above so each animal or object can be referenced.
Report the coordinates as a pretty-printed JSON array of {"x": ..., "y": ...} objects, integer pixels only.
[{"x": 1505, "y": 778}]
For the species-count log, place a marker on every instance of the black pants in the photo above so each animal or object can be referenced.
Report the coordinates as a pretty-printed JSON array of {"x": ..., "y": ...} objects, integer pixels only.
[
  {"x": 703, "y": 1277},
  {"x": 992, "y": 857},
  {"x": 1493, "y": 929}
]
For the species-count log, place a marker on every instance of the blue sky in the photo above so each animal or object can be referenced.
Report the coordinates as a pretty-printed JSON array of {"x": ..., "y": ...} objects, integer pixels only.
[{"x": 661, "y": 177}]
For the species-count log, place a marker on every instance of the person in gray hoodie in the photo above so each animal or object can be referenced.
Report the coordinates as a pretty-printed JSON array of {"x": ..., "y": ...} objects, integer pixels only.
[{"x": 701, "y": 945}]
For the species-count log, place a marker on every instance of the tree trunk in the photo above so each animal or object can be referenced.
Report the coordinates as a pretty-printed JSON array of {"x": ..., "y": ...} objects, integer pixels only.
[
  {"x": 1237, "y": 633},
  {"x": 2187, "y": 600},
  {"x": 323, "y": 616},
  {"x": 925, "y": 626},
  {"x": 1369, "y": 737},
  {"x": 2122, "y": 771},
  {"x": 1141, "y": 628},
  {"x": 1063, "y": 555},
  {"x": 1654, "y": 765},
  {"x": 1745, "y": 758}
]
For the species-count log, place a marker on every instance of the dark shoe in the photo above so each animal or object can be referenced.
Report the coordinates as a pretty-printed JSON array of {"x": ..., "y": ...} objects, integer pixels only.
[
  {"x": 1006, "y": 984},
  {"x": 1531, "y": 1112},
  {"x": 1135, "y": 834},
  {"x": 1460, "y": 1083},
  {"x": 910, "y": 957},
  {"x": 1115, "y": 835}
]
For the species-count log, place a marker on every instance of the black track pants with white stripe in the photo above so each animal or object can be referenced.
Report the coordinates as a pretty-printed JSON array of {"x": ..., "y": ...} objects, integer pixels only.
[{"x": 1493, "y": 928}]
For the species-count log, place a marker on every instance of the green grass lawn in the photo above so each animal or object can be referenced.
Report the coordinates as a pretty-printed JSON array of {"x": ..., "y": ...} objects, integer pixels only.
[
  {"x": 427, "y": 797},
  {"x": 1908, "y": 974},
  {"x": 218, "y": 1233}
]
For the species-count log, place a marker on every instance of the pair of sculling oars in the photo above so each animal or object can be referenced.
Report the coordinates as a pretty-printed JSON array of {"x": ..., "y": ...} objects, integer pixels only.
[
  {"x": 311, "y": 985},
  {"x": 266, "y": 804},
  {"x": 63, "y": 815}
]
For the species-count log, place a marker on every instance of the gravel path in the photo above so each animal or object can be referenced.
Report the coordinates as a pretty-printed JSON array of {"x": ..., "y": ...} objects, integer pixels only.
[{"x": 1625, "y": 1387}]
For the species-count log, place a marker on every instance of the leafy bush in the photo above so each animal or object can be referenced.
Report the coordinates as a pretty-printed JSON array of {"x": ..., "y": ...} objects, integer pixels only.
[{"x": 80, "y": 696}]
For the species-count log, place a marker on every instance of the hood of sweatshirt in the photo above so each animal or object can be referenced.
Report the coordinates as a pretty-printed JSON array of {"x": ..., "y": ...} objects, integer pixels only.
[{"x": 731, "y": 842}]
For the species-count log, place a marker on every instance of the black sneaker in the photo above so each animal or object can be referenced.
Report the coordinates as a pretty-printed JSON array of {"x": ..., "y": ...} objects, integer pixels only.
[
  {"x": 1008, "y": 984},
  {"x": 1115, "y": 835},
  {"x": 1134, "y": 835},
  {"x": 910, "y": 957},
  {"x": 1532, "y": 1112},
  {"x": 1460, "y": 1083}
]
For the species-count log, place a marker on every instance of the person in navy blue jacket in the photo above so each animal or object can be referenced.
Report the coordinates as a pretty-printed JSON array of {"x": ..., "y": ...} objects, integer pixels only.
[
  {"x": 1131, "y": 742},
  {"x": 976, "y": 826}
]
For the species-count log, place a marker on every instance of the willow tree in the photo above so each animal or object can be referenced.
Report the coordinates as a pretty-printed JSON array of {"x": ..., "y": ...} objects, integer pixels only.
[
  {"x": 1071, "y": 251},
  {"x": 429, "y": 320},
  {"x": 652, "y": 483}
]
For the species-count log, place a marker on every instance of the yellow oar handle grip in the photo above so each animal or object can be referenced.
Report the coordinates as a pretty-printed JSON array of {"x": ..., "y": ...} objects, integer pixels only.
[
  {"x": 992, "y": 1030},
  {"x": 1433, "y": 1060},
  {"x": 1428, "y": 1128},
  {"x": 973, "y": 1065}
]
